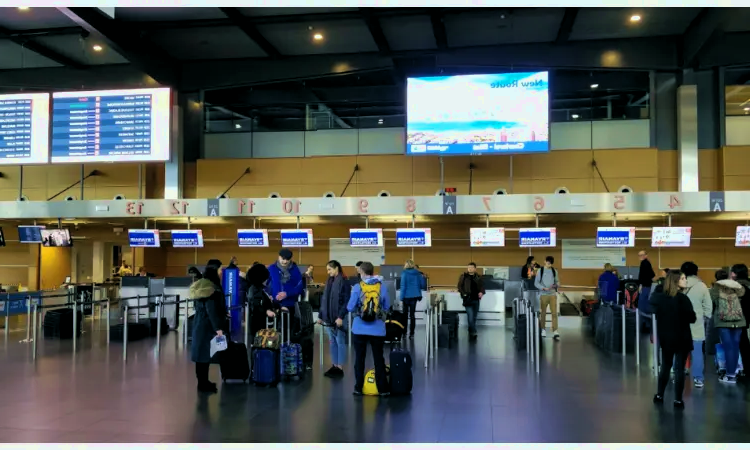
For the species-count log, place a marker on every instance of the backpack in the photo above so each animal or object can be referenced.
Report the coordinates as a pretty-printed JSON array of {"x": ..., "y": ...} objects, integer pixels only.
[
  {"x": 541, "y": 273},
  {"x": 371, "y": 309},
  {"x": 730, "y": 309}
]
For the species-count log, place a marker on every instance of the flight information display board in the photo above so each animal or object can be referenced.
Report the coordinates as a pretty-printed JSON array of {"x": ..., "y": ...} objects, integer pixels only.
[
  {"x": 24, "y": 128},
  {"x": 111, "y": 126}
]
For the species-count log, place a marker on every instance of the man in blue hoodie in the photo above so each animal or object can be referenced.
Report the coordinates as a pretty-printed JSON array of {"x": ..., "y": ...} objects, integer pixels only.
[
  {"x": 369, "y": 327},
  {"x": 285, "y": 284}
]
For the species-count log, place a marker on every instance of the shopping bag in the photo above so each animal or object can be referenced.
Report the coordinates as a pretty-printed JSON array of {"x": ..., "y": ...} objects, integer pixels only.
[{"x": 218, "y": 344}]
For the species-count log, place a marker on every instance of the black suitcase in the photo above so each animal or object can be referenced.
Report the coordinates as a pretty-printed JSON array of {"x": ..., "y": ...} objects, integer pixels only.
[
  {"x": 152, "y": 327},
  {"x": 58, "y": 323},
  {"x": 450, "y": 318},
  {"x": 136, "y": 332},
  {"x": 303, "y": 312},
  {"x": 520, "y": 332},
  {"x": 444, "y": 336},
  {"x": 401, "y": 378},
  {"x": 234, "y": 363}
]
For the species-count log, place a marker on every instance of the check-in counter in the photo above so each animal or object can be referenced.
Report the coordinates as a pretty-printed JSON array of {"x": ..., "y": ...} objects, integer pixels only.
[
  {"x": 133, "y": 287},
  {"x": 175, "y": 314},
  {"x": 491, "y": 307}
]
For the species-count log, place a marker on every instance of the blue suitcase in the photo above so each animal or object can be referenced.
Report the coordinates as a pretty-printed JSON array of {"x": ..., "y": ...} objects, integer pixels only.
[
  {"x": 265, "y": 366},
  {"x": 291, "y": 364}
]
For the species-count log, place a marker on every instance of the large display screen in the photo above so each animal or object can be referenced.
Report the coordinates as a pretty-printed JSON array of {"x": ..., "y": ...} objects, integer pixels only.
[
  {"x": 413, "y": 237},
  {"x": 487, "y": 237},
  {"x": 742, "y": 237},
  {"x": 671, "y": 236},
  {"x": 366, "y": 237},
  {"x": 24, "y": 129},
  {"x": 56, "y": 237},
  {"x": 537, "y": 237},
  {"x": 111, "y": 126},
  {"x": 144, "y": 238},
  {"x": 297, "y": 238},
  {"x": 187, "y": 238},
  {"x": 478, "y": 114},
  {"x": 30, "y": 234},
  {"x": 614, "y": 237},
  {"x": 252, "y": 238}
]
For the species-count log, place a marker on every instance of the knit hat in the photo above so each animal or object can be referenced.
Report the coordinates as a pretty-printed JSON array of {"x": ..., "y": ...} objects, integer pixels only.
[
  {"x": 286, "y": 254},
  {"x": 215, "y": 263}
]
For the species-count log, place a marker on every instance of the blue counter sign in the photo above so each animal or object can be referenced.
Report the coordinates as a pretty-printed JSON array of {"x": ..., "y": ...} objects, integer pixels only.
[
  {"x": 187, "y": 238},
  {"x": 252, "y": 238},
  {"x": 143, "y": 238},
  {"x": 414, "y": 237},
  {"x": 297, "y": 238},
  {"x": 615, "y": 237},
  {"x": 372, "y": 237},
  {"x": 537, "y": 237}
]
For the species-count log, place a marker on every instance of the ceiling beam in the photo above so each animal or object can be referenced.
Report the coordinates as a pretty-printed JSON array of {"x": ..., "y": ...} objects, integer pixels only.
[
  {"x": 703, "y": 33},
  {"x": 566, "y": 25},
  {"x": 37, "y": 32},
  {"x": 240, "y": 21},
  {"x": 142, "y": 54},
  {"x": 376, "y": 30},
  {"x": 438, "y": 30},
  {"x": 40, "y": 49}
]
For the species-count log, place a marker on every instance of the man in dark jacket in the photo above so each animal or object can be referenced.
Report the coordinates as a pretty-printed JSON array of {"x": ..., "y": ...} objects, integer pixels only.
[
  {"x": 471, "y": 288},
  {"x": 740, "y": 275},
  {"x": 645, "y": 280}
]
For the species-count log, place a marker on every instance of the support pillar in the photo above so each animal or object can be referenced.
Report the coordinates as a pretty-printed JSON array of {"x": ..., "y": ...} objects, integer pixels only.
[
  {"x": 687, "y": 138},
  {"x": 662, "y": 111}
]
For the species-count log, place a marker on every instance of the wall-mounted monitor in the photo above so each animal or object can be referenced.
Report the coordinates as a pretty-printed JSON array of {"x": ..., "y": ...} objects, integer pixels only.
[
  {"x": 487, "y": 237},
  {"x": 742, "y": 237},
  {"x": 537, "y": 237},
  {"x": 111, "y": 126},
  {"x": 297, "y": 238},
  {"x": 187, "y": 238},
  {"x": 478, "y": 114},
  {"x": 252, "y": 238},
  {"x": 24, "y": 128},
  {"x": 671, "y": 236},
  {"x": 30, "y": 234},
  {"x": 615, "y": 237},
  {"x": 366, "y": 237},
  {"x": 56, "y": 237},
  {"x": 143, "y": 238},
  {"x": 414, "y": 237}
]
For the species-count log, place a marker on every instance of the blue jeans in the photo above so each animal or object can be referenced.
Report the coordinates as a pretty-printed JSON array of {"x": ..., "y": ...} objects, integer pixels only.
[
  {"x": 730, "y": 342},
  {"x": 337, "y": 340},
  {"x": 696, "y": 366},
  {"x": 472, "y": 310}
]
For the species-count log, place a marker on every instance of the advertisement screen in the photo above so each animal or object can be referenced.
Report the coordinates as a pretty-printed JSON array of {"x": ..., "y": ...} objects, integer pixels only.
[
  {"x": 24, "y": 129},
  {"x": 478, "y": 114},
  {"x": 30, "y": 234},
  {"x": 670, "y": 236},
  {"x": 56, "y": 237},
  {"x": 143, "y": 238},
  {"x": 742, "y": 238},
  {"x": 111, "y": 126},
  {"x": 487, "y": 237}
]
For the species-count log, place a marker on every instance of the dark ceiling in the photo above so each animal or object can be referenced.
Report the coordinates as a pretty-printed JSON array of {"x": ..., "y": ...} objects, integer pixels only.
[{"x": 264, "y": 65}]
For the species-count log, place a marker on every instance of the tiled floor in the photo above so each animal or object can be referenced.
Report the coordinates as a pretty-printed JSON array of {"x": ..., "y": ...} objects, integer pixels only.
[{"x": 482, "y": 392}]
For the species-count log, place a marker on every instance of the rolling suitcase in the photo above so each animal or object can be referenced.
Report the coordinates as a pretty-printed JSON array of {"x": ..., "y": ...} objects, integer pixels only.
[
  {"x": 450, "y": 318},
  {"x": 136, "y": 332},
  {"x": 233, "y": 362},
  {"x": 519, "y": 333},
  {"x": 401, "y": 378},
  {"x": 444, "y": 336},
  {"x": 265, "y": 366},
  {"x": 291, "y": 364}
]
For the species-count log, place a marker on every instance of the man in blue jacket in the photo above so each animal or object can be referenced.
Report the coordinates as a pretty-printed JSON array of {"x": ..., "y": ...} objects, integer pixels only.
[
  {"x": 285, "y": 284},
  {"x": 369, "y": 328}
]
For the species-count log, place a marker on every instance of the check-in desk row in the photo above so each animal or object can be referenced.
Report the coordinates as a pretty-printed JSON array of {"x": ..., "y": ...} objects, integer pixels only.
[{"x": 145, "y": 290}]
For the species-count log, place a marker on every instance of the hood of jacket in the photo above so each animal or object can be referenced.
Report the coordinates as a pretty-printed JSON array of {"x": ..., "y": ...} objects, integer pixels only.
[
  {"x": 730, "y": 285},
  {"x": 412, "y": 271},
  {"x": 202, "y": 289},
  {"x": 373, "y": 279}
]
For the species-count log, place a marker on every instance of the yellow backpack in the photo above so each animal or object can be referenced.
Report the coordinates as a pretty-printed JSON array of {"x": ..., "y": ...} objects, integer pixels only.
[
  {"x": 371, "y": 309},
  {"x": 370, "y": 388}
]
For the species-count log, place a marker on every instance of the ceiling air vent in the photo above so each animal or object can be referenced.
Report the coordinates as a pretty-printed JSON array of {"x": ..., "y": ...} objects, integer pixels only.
[
  {"x": 625, "y": 190},
  {"x": 562, "y": 190},
  {"x": 384, "y": 194},
  {"x": 329, "y": 194},
  {"x": 119, "y": 197},
  {"x": 70, "y": 198},
  {"x": 500, "y": 191},
  {"x": 274, "y": 195}
]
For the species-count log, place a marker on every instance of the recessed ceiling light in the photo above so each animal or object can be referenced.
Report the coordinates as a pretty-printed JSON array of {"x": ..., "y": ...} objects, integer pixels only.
[
  {"x": 635, "y": 18},
  {"x": 380, "y": 121},
  {"x": 318, "y": 37},
  {"x": 575, "y": 116},
  {"x": 23, "y": 8},
  {"x": 747, "y": 109},
  {"x": 237, "y": 126},
  {"x": 97, "y": 48},
  {"x": 594, "y": 86}
]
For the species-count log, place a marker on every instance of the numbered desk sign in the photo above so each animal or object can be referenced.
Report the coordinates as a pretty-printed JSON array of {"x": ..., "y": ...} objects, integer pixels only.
[
  {"x": 615, "y": 237},
  {"x": 671, "y": 236},
  {"x": 537, "y": 237}
]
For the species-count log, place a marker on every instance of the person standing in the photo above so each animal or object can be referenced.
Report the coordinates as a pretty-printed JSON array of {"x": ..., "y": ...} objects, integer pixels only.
[
  {"x": 412, "y": 285},
  {"x": 728, "y": 320},
  {"x": 674, "y": 314},
  {"x": 547, "y": 283},
  {"x": 331, "y": 315},
  {"x": 210, "y": 321},
  {"x": 285, "y": 281},
  {"x": 260, "y": 303},
  {"x": 608, "y": 285},
  {"x": 700, "y": 298},
  {"x": 471, "y": 288},
  {"x": 369, "y": 303},
  {"x": 645, "y": 280},
  {"x": 740, "y": 275}
]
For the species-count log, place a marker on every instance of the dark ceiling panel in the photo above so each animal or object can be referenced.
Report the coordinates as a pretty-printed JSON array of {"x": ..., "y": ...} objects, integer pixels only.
[
  {"x": 16, "y": 57},
  {"x": 159, "y": 14},
  {"x": 292, "y": 11},
  {"x": 409, "y": 32},
  {"x": 614, "y": 23},
  {"x": 81, "y": 50},
  {"x": 342, "y": 36},
  {"x": 499, "y": 27},
  {"x": 206, "y": 43},
  {"x": 33, "y": 18}
]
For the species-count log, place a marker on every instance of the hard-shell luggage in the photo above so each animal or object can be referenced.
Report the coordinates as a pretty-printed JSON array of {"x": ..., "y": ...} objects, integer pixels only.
[
  {"x": 519, "y": 326},
  {"x": 58, "y": 323},
  {"x": 401, "y": 378},
  {"x": 233, "y": 362},
  {"x": 444, "y": 336},
  {"x": 136, "y": 332},
  {"x": 265, "y": 366},
  {"x": 291, "y": 363},
  {"x": 450, "y": 318}
]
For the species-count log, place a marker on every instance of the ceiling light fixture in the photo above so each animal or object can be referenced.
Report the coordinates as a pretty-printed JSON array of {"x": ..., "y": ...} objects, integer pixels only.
[
  {"x": 23, "y": 8},
  {"x": 318, "y": 37},
  {"x": 635, "y": 18},
  {"x": 594, "y": 86},
  {"x": 97, "y": 48},
  {"x": 575, "y": 116},
  {"x": 747, "y": 109},
  {"x": 237, "y": 126}
]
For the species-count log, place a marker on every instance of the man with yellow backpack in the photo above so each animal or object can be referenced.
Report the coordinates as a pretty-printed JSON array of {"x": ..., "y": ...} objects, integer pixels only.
[{"x": 369, "y": 303}]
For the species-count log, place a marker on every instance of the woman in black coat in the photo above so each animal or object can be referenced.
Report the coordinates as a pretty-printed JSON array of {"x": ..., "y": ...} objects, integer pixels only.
[
  {"x": 210, "y": 320},
  {"x": 261, "y": 305},
  {"x": 674, "y": 314}
]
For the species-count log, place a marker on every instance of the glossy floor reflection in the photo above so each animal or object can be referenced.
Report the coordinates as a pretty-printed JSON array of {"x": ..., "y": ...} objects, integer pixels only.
[{"x": 482, "y": 392}]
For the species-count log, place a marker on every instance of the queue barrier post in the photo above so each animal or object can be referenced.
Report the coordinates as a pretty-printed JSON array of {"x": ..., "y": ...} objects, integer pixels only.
[
  {"x": 428, "y": 336},
  {"x": 247, "y": 325},
  {"x": 536, "y": 340},
  {"x": 655, "y": 345},
  {"x": 7, "y": 316},
  {"x": 624, "y": 347},
  {"x": 534, "y": 330},
  {"x": 637, "y": 337},
  {"x": 159, "y": 313},
  {"x": 28, "y": 318},
  {"x": 108, "y": 305},
  {"x": 34, "y": 325},
  {"x": 185, "y": 331},
  {"x": 75, "y": 324},
  {"x": 349, "y": 331},
  {"x": 125, "y": 335},
  {"x": 322, "y": 328}
]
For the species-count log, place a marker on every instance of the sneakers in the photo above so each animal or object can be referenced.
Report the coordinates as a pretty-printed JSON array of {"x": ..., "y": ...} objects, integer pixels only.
[
  {"x": 209, "y": 388},
  {"x": 472, "y": 337},
  {"x": 697, "y": 382},
  {"x": 544, "y": 333},
  {"x": 727, "y": 379},
  {"x": 556, "y": 335},
  {"x": 334, "y": 372},
  {"x": 679, "y": 404},
  {"x": 357, "y": 394},
  {"x": 658, "y": 399}
]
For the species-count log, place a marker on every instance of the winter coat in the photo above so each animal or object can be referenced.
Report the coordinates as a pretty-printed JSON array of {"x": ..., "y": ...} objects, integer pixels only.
[
  {"x": 335, "y": 299},
  {"x": 412, "y": 284},
  {"x": 673, "y": 318},
  {"x": 260, "y": 303},
  {"x": 727, "y": 287},
  {"x": 294, "y": 287},
  {"x": 745, "y": 299},
  {"x": 700, "y": 298},
  {"x": 210, "y": 316}
]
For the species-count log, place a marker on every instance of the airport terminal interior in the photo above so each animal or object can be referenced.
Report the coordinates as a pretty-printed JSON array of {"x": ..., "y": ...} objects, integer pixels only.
[{"x": 138, "y": 144}]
